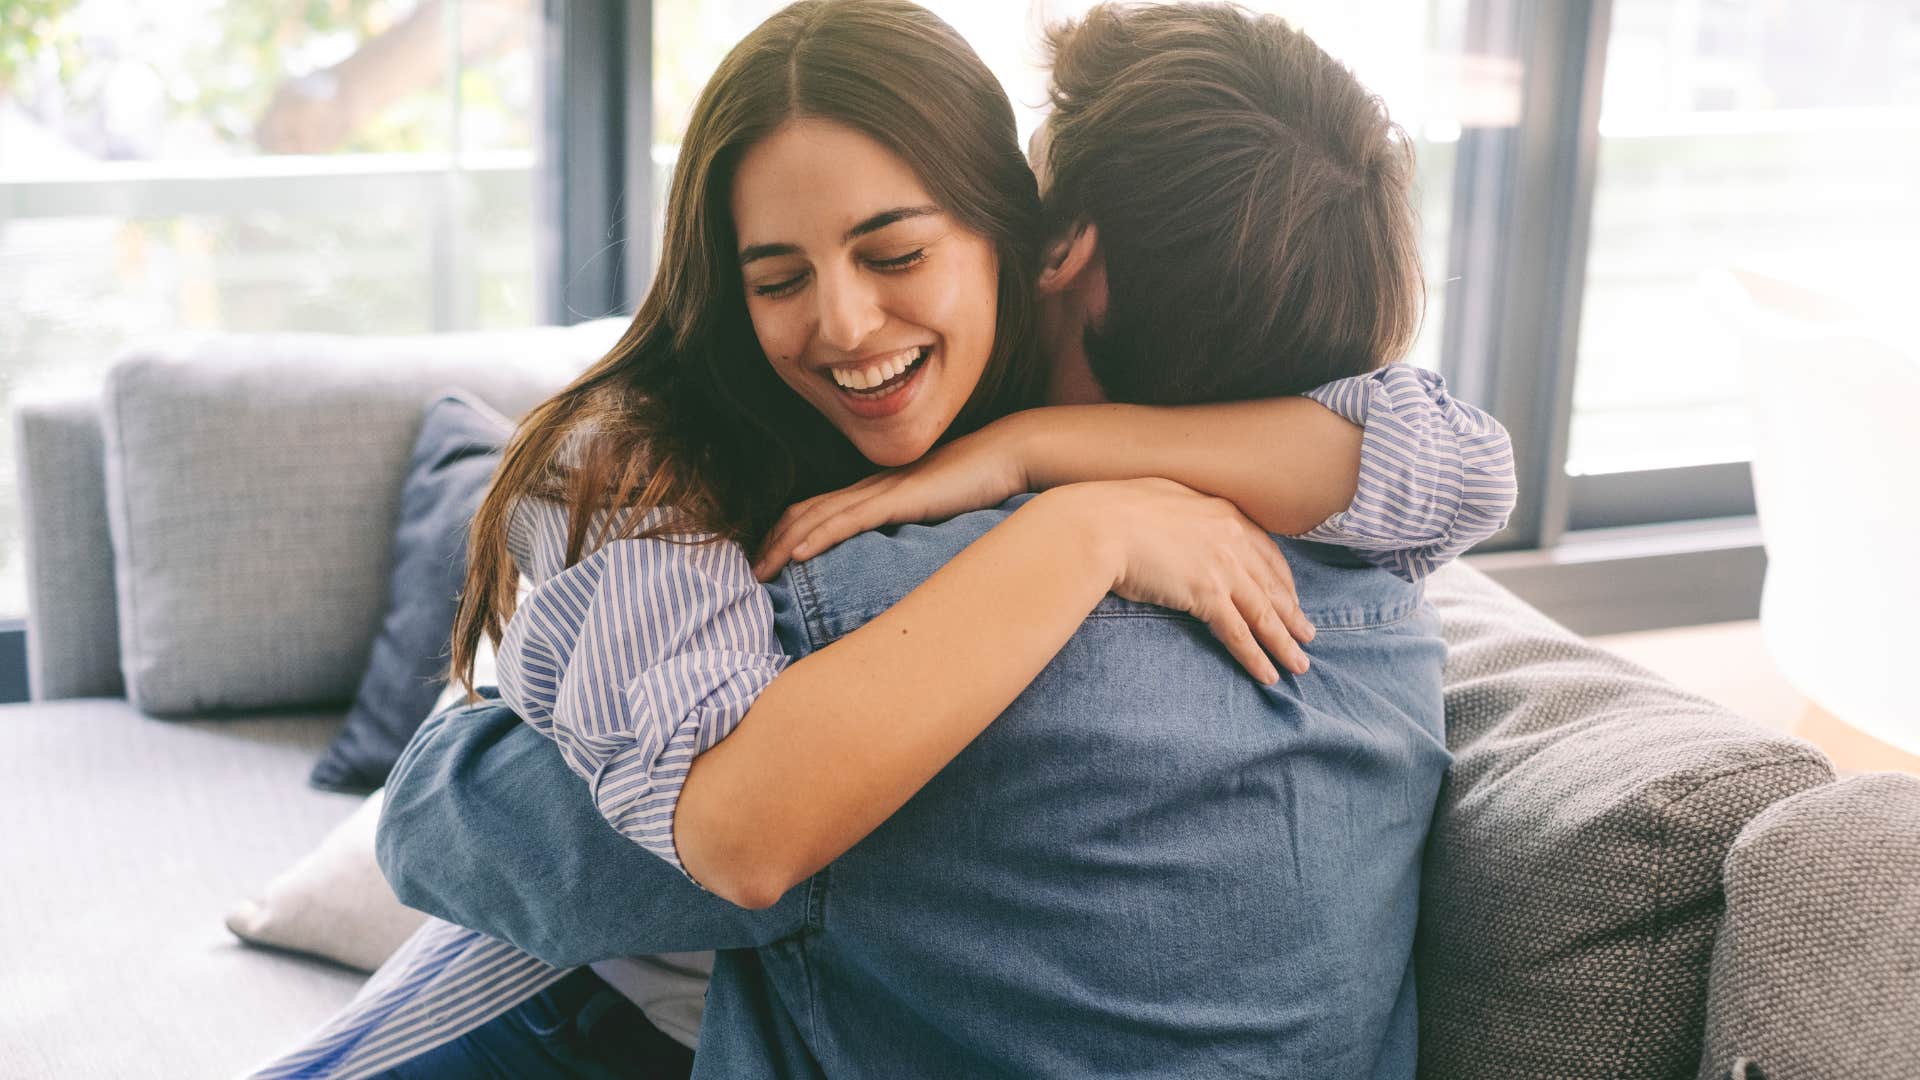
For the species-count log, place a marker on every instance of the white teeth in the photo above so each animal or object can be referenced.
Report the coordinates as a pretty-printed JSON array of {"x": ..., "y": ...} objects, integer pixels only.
[{"x": 874, "y": 374}]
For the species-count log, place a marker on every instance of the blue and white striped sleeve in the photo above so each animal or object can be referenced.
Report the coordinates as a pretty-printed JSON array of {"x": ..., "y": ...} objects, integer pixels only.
[
  {"x": 635, "y": 660},
  {"x": 1436, "y": 474}
]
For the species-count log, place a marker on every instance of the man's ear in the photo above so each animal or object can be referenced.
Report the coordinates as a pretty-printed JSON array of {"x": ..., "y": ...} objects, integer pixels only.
[{"x": 1067, "y": 258}]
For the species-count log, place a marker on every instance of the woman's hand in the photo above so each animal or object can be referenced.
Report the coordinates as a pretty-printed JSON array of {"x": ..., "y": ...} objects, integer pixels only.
[
  {"x": 972, "y": 472},
  {"x": 1176, "y": 548}
]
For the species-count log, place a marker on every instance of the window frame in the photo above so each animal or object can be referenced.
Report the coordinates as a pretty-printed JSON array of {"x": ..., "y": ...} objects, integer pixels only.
[
  {"x": 1523, "y": 210},
  {"x": 598, "y": 78}
]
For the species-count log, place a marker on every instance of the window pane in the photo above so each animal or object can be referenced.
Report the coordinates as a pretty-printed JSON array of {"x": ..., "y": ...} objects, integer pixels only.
[
  {"x": 253, "y": 165},
  {"x": 1407, "y": 51},
  {"x": 1782, "y": 135}
]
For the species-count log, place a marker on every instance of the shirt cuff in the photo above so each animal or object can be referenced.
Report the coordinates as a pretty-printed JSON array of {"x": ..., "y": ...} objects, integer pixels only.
[{"x": 1436, "y": 475}]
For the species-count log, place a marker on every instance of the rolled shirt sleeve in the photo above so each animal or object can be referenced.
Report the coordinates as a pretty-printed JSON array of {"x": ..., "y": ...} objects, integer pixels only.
[
  {"x": 635, "y": 660},
  {"x": 1436, "y": 474}
]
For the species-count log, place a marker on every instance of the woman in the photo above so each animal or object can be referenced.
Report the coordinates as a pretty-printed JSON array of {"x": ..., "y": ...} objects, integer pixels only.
[{"x": 851, "y": 185}]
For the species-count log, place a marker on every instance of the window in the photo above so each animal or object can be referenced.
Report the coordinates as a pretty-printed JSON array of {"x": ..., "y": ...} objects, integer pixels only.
[
  {"x": 358, "y": 166},
  {"x": 1778, "y": 136}
]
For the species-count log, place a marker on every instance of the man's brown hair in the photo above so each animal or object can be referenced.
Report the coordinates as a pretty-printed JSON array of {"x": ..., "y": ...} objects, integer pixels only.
[{"x": 1253, "y": 201}]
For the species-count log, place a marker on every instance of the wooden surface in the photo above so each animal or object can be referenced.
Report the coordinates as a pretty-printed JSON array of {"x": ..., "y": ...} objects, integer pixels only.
[
  {"x": 1728, "y": 663},
  {"x": 1852, "y": 750}
]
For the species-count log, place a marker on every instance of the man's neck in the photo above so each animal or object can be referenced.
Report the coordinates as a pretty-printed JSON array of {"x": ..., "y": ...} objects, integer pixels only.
[
  {"x": 1071, "y": 381},
  {"x": 1070, "y": 378}
]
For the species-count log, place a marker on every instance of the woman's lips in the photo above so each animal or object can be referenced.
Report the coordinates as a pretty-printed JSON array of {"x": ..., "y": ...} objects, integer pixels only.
[{"x": 888, "y": 399}]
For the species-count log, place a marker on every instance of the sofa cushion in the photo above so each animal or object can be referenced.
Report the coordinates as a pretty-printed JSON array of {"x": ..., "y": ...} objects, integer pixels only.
[
  {"x": 1817, "y": 968},
  {"x": 252, "y": 487},
  {"x": 453, "y": 462},
  {"x": 1572, "y": 881},
  {"x": 127, "y": 840}
]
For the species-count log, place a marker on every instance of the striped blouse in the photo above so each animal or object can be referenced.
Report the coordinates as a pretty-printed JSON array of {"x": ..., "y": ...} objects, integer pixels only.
[{"x": 645, "y": 653}]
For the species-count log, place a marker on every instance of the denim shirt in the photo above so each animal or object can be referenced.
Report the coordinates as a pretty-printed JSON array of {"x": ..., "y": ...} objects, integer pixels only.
[{"x": 1149, "y": 865}]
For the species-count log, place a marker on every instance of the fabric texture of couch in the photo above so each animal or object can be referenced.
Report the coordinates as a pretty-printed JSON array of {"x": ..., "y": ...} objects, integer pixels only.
[
  {"x": 249, "y": 469},
  {"x": 1817, "y": 966},
  {"x": 1623, "y": 880},
  {"x": 1573, "y": 880}
]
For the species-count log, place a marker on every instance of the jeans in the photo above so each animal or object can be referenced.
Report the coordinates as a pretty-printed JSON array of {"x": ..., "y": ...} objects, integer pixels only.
[{"x": 579, "y": 1028}]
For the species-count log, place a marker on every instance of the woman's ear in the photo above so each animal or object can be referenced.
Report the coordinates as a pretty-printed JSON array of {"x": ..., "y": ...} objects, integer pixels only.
[{"x": 1068, "y": 258}]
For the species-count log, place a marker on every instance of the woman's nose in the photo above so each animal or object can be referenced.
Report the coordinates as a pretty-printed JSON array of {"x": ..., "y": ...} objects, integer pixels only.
[{"x": 849, "y": 311}]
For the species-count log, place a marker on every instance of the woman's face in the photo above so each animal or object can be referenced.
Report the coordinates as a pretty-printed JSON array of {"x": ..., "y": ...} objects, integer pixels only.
[{"x": 869, "y": 300}]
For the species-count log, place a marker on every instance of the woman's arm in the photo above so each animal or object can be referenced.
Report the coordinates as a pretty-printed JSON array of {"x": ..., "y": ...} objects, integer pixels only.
[
  {"x": 647, "y": 653},
  {"x": 1386, "y": 463},
  {"x": 1287, "y": 463},
  {"x": 846, "y": 735}
]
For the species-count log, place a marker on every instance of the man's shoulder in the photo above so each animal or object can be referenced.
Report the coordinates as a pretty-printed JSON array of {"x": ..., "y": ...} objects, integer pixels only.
[{"x": 839, "y": 590}]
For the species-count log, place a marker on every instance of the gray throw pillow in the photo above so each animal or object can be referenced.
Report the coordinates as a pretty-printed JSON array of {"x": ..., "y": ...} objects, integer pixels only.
[
  {"x": 1572, "y": 881},
  {"x": 252, "y": 487},
  {"x": 452, "y": 464}
]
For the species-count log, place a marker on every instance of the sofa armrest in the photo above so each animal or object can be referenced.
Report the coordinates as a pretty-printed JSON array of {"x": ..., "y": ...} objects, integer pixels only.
[
  {"x": 73, "y": 645},
  {"x": 1572, "y": 883},
  {"x": 1816, "y": 966}
]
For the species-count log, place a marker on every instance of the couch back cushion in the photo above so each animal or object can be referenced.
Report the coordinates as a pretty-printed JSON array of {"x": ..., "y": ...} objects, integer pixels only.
[
  {"x": 1573, "y": 875},
  {"x": 253, "y": 485}
]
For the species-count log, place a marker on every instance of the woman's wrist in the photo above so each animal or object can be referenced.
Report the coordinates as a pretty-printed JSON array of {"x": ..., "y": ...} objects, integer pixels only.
[
  {"x": 1076, "y": 518},
  {"x": 1058, "y": 445}
]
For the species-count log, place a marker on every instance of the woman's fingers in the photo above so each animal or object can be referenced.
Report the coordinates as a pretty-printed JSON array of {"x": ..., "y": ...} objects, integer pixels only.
[
  {"x": 1229, "y": 623},
  {"x": 1286, "y": 596},
  {"x": 1258, "y": 609},
  {"x": 811, "y": 527},
  {"x": 794, "y": 525},
  {"x": 841, "y": 526}
]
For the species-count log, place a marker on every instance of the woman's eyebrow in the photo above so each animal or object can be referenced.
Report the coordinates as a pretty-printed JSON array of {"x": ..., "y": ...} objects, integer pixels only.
[
  {"x": 887, "y": 217},
  {"x": 873, "y": 224}
]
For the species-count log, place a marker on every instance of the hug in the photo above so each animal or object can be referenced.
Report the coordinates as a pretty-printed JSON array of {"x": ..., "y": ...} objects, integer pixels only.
[{"x": 971, "y": 624}]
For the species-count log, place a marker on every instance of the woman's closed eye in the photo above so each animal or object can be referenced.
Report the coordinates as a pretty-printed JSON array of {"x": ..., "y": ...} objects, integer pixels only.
[
  {"x": 779, "y": 288},
  {"x": 900, "y": 262},
  {"x": 788, "y": 286}
]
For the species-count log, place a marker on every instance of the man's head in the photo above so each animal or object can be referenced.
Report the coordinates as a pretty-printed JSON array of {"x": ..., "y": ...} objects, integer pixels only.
[{"x": 1232, "y": 210}]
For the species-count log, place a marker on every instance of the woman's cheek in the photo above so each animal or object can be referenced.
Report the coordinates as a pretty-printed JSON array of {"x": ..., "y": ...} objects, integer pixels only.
[
  {"x": 960, "y": 305},
  {"x": 778, "y": 340},
  {"x": 970, "y": 305}
]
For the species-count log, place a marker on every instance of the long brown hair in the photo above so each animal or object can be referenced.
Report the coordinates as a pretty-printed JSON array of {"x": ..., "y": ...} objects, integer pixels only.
[
  {"x": 685, "y": 413},
  {"x": 1253, "y": 200}
]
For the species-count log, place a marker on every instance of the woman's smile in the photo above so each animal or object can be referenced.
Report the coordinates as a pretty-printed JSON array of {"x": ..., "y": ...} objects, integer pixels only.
[{"x": 878, "y": 388}]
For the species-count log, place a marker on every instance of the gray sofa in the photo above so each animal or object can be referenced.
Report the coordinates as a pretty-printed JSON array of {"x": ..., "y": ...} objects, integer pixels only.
[{"x": 1623, "y": 880}]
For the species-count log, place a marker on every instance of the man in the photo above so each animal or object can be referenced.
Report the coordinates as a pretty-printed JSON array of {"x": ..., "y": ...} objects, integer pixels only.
[{"x": 1192, "y": 875}]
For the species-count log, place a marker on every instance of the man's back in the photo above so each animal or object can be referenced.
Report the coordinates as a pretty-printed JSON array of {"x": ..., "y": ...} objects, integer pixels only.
[{"x": 1149, "y": 865}]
